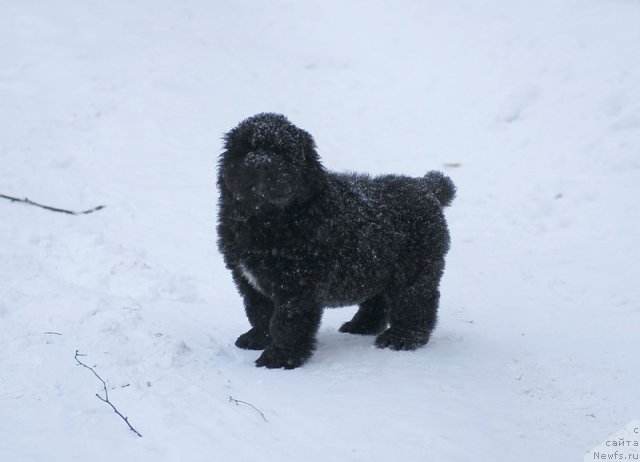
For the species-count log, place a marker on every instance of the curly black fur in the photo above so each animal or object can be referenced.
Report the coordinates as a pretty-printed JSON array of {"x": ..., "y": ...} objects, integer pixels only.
[{"x": 299, "y": 238}]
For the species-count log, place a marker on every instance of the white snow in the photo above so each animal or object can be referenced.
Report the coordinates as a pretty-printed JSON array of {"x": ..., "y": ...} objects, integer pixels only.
[{"x": 124, "y": 103}]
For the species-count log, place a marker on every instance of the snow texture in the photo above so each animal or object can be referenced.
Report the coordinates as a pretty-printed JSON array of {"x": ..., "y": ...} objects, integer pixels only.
[{"x": 123, "y": 103}]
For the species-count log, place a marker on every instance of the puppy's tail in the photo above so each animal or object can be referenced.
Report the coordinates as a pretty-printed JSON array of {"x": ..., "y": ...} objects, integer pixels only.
[{"x": 441, "y": 186}]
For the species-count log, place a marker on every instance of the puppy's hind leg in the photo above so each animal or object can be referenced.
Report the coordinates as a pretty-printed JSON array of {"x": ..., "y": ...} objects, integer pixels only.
[
  {"x": 413, "y": 311},
  {"x": 259, "y": 310},
  {"x": 370, "y": 319}
]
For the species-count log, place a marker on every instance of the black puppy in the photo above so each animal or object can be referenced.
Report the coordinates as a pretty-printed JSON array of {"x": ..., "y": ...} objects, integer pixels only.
[{"x": 298, "y": 238}]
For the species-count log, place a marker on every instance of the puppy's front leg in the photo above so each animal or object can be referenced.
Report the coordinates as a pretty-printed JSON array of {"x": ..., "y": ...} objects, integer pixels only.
[
  {"x": 293, "y": 331},
  {"x": 259, "y": 310}
]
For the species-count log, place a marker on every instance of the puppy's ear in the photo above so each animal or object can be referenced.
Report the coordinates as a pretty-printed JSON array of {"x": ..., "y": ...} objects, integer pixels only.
[
  {"x": 233, "y": 137},
  {"x": 309, "y": 146},
  {"x": 314, "y": 172}
]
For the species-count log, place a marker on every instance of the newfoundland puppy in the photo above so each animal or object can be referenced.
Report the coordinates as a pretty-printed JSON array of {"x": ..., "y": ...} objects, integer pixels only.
[{"x": 298, "y": 238}]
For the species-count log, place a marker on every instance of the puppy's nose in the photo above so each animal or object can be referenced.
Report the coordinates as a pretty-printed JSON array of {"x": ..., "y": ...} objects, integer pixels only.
[
  {"x": 262, "y": 166},
  {"x": 260, "y": 172},
  {"x": 259, "y": 165}
]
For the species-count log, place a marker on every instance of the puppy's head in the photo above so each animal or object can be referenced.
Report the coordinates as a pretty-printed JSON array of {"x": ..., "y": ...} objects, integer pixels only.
[{"x": 269, "y": 162}]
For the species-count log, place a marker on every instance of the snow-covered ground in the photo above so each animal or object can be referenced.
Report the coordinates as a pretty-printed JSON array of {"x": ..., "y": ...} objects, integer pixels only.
[{"x": 124, "y": 103}]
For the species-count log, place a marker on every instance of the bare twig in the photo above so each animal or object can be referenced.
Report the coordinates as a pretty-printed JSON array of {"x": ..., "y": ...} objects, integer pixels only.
[
  {"x": 53, "y": 209},
  {"x": 106, "y": 393},
  {"x": 238, "y": 402}
]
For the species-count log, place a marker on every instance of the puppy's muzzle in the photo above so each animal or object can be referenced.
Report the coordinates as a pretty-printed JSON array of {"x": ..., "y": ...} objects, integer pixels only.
[{"x": 258, "y": 170}]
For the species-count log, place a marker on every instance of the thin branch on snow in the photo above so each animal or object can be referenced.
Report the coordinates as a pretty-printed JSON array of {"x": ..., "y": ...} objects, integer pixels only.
[
  {"x": 238, "y": 402},
  {"x": 106, "y": 393},
  {"x": 53, "y": 209}
]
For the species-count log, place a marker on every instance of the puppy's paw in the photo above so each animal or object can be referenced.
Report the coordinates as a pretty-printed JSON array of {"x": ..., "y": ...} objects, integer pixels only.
[
  {"x": 274, "y": 358},
  {"x": 253, "y": 339},
  {"x": 352, "y": 327},
  {"x": 401, "y": 339}
]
